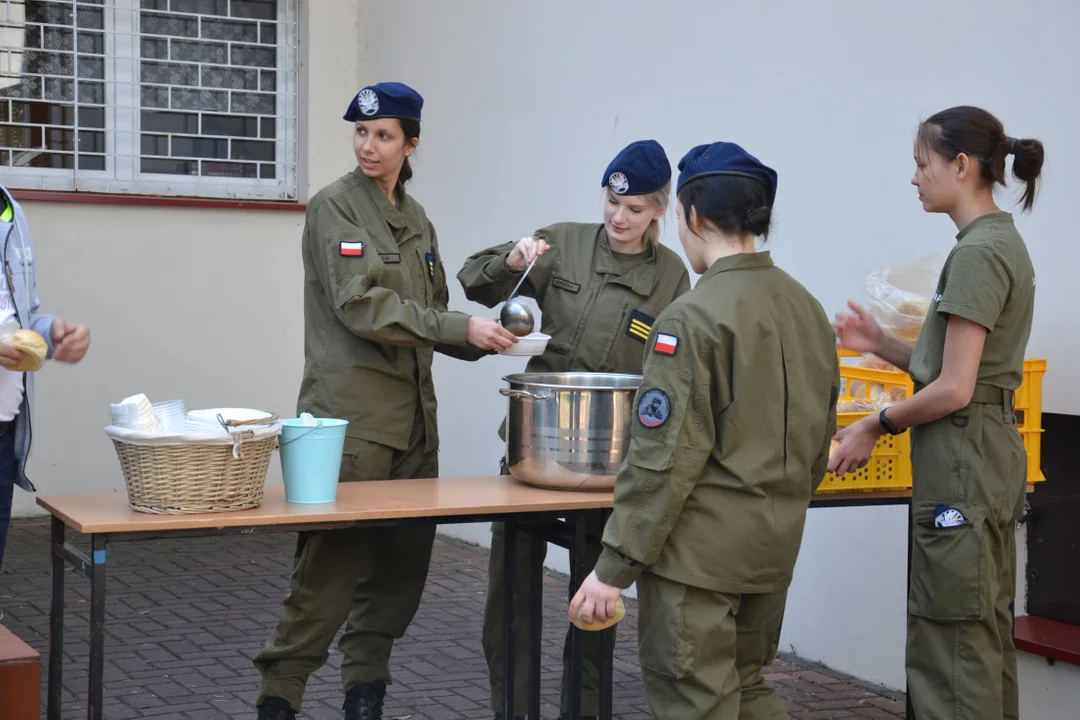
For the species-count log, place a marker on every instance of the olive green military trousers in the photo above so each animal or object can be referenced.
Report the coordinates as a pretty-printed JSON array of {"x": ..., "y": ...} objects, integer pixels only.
[
  {"x": 369, "y": 579},
  {"x": 702, "y": 651},
  {"x": 970, "y": 474},
  {"x": 494, "y": 623}
]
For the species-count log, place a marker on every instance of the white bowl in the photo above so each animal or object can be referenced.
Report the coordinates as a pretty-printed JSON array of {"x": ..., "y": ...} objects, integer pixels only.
[{"x": 530, "y": 345}]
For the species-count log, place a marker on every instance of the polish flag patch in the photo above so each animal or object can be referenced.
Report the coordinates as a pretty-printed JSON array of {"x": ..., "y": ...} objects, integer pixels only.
[
  {"x": 351, "y": 249},
  {"x": 666, "y": 344}
]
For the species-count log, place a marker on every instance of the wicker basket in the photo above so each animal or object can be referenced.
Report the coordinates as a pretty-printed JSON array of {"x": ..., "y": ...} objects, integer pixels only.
[{"x": 199, "y": 473}]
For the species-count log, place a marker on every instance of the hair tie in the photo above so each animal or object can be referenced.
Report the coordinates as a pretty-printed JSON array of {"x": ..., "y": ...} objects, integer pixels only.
[{"x": 1012, "y": 145}]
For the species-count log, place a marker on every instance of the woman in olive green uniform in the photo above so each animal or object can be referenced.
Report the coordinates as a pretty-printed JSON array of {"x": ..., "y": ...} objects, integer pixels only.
[
  {"x": 731, "y": 436},
  {"x": 375, "y": 309},
  {"x": 968, "y": 459},
  {"x": 599, "y": 286}
]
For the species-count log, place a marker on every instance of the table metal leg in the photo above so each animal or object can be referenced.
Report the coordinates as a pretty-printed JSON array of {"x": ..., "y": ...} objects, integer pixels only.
[
  {"x": 536, "y": 623},
  {"x": 607, "y": 649},
  {"x": 97, "y": 625},
  {"x": 607, "y": 653},
  {"x": 909, "y": 712},
  {"x": 56, "y": 622},
  {"x": 577, "y": 576},
  {"x": 510, "y": 537}
]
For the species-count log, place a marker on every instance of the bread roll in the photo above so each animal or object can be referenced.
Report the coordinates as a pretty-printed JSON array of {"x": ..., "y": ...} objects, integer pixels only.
[
  {"x": 620, "y": 613},
  {"x": 853, "y": 405},
  {"x": 32, "y": 349}
]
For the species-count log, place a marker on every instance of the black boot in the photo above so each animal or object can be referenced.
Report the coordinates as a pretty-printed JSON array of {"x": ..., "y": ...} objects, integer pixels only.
[
  {"x": 365, "y": 701},
  {"x": 500, "y": 716},
  {"x": 274, "y": 708}
]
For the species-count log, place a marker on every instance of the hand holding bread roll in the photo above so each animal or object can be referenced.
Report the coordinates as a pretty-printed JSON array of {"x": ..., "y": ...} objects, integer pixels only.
[
  {"x": 620, "y": 613},
  {"x": 594, "y": 595},
  {"x": 31, "y": 348}
]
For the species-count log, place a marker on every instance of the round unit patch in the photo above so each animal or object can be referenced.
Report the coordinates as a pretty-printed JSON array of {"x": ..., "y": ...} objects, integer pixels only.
[
  {"x": 654, "y": 408},
  {"x": 947, "y": 517},
  {"x": 368, "y": 101},
  {"x": 618, "y": 182}
]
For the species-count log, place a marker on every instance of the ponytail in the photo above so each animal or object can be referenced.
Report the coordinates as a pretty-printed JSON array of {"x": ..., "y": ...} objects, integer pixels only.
[
  {"x": 411, "y": 128},
  {"x": 1027, "y": 167},
  {"x": 406, "y": 172}
]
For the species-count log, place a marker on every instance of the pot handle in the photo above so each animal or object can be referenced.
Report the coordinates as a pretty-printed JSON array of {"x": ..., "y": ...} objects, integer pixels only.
[{"x": 522, "y": 394}]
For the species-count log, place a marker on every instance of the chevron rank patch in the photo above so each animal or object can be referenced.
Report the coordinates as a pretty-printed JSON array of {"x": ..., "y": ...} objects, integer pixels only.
[{"x": 640, "y": 326}]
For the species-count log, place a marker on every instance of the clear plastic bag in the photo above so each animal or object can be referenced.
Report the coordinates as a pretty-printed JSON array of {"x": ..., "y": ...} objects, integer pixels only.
[
  {"x": 900, "y": 295},
  {"x": 881, "y": 396}
]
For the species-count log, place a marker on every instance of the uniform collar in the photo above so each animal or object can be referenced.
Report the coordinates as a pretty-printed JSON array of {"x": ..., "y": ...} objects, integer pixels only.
[
  {"x": 739, "y": 261},
  {"x": 402, "y": 215},
  {"x": 641, "y": 279},
  {"x": 983, "y": 220}
]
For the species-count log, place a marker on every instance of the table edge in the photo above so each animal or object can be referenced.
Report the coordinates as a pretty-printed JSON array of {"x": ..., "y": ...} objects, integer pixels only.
[{"x": 182, "y": 522}]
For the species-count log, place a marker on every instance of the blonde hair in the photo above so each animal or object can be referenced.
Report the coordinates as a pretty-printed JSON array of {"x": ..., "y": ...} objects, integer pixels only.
[{"x": 660, "y": 198}]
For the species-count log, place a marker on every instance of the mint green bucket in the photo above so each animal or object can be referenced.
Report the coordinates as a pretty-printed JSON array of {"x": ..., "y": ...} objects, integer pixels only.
[{"x": 311, "y": 459}]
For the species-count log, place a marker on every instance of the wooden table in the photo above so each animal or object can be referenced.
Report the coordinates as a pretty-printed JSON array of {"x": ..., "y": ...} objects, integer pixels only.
[
  {"x": 106, "y": 517},
  {"x": 553, "y": 515}
]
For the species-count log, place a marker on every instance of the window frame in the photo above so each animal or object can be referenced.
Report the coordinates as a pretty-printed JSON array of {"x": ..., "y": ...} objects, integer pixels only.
[{"x": 123, "y": 140}]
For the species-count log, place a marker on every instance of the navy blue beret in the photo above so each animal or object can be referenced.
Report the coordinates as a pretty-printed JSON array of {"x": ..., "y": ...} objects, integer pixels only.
[
  {"x": 385, "y": 99},
  {"x": 641, "y": 167},
  {"x": 722, "y": 158}
]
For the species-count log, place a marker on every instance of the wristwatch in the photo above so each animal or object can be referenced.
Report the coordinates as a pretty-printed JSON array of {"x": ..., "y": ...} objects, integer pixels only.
[{"x": 887, "y": 424}]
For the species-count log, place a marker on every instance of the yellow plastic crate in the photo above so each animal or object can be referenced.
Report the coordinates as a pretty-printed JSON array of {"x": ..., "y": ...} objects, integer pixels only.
[
  {"x": 1029, "y": 415},
  {"x": 889, "y": 467}
]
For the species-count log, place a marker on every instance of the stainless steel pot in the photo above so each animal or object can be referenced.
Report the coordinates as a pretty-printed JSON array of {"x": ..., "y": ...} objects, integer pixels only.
[{"x": 569, "y": 431}]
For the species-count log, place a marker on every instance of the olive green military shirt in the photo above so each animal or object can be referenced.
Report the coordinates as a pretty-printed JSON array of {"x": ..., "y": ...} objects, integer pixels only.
[
  {"x": 988, "y": 279},
  {"x": 730, "y": 434},
  {"x": 375, "y": 309},
  {"x": 598, "y": 306}
]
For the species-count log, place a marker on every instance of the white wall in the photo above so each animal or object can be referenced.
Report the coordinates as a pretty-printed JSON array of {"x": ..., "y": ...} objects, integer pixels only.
[
  {"x": 239, "y": 342},
  {"x": 527, "y": 102},
  {"x": 1048, "y": 692}
]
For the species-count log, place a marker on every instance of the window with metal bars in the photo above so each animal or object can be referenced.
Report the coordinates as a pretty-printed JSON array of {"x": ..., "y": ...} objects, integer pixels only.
[{"x": 162, "y": 97}]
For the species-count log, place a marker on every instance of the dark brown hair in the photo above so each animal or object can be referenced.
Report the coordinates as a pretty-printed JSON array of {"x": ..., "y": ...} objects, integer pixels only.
[
  {"x": 734, "y": 204},
  {"x": 411, "y": 128},
  {"x": 981, "y": 136}
]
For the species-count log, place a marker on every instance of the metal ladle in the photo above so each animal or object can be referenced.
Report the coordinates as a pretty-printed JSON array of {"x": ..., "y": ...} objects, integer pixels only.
[{"x": 514, "y": 316}]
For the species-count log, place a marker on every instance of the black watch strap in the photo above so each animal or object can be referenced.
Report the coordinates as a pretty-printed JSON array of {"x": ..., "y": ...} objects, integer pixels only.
[{"x": 887, "y": 424}]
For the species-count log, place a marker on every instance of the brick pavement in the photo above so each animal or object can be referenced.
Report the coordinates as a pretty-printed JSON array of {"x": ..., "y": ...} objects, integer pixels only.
[{"x": 185, "y": 617}]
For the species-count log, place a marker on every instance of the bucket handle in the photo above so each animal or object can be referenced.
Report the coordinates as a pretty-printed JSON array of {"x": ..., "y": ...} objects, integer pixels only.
[
  {"x": 523, "y": 394},
  {"x": 313, "y": 428}
]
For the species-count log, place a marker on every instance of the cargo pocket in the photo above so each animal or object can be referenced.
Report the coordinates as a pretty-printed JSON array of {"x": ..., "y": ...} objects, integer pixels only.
[
  {"x": 365, "y": 460},
  {"x": 657, "y": 417},
  {"x": 666, "y": 646},
  {"x": 949, "y": 562}
]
